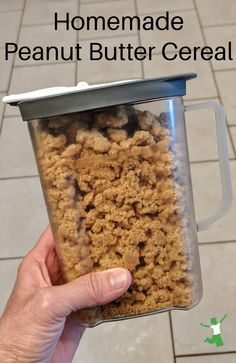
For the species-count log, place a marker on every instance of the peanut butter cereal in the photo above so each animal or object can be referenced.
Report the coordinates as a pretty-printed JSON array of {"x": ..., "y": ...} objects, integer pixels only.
[{"x": 115, "y": 200}]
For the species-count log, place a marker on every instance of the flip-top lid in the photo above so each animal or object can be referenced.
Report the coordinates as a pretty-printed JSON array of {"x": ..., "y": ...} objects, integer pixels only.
[{"x": 63, "y": 100}]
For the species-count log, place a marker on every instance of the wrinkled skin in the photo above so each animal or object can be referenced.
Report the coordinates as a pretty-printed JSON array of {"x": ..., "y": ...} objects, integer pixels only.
[{"x": 35, "y": 326}]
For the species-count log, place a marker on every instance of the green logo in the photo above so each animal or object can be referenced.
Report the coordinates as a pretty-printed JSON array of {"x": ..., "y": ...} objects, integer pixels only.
[{"x": 216, "y": 327}]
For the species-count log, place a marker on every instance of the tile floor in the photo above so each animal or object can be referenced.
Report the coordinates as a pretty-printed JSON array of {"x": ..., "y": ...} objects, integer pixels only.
[{"x": 165, "y": 338}]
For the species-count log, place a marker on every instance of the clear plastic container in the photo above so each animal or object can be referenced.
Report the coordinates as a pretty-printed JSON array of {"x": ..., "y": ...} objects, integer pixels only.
[{"x": 118, "y": 190}]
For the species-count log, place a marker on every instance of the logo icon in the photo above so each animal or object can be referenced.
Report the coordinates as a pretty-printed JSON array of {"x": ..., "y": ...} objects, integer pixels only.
[{"x": 216, "y": 327}]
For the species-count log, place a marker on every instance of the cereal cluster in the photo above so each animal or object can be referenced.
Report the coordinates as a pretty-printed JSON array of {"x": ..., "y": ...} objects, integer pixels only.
[{"x": 115, "y": 199}]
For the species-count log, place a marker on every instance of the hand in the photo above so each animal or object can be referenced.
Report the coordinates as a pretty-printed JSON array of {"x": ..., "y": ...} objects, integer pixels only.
[
  {"x": 34, "y": 326},
  {"x": 205, "y": 325},
  {"x": 224, "y": 317}
]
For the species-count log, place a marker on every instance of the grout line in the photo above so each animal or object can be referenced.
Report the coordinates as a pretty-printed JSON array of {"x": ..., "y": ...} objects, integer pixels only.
[
  {"x": 11, "y": 116},
  {"x": 225, "y": 70},
  {"x": 77, "y": 40},
  {"x": 205, "y": 354},
  {"x": 11, "y": 258},
  {"x": 139, "y": 39},
  {"x": 218, "y": 25},
  {"x": 43, "y": 63},
  {"x": 172, "y": 336},
  {"x": 18, "y": 177},
  {"x": 163, "y": 11},
  {"x": 100, "y": 2},
  {"x": 35, "y": 24},
  {"x": 13, "y": 60},
  {"x": 17, "y": 40},
  {"x": 77, "y": 64},
  {"x": 3, "y": 112},
  {"x": 121, "y": 36},
  {"x": 207, "y": 161},
  {"x": 24, "y": 5},
  {"x": 200, "y": 99},
  {"x": 104, "y": 37},
  {"x": 110, "y": 1},
  {"x": 11, "y": 11},
  {"x": 232, "y": 140},
  {"x": 216, "y": 243},
  {"x": 213, "y": 73},
  {"x": 112, "y": 80}
]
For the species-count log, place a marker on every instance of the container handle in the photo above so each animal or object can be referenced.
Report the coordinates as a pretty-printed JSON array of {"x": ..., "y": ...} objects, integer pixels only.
[{"x": 226, "y": 186}]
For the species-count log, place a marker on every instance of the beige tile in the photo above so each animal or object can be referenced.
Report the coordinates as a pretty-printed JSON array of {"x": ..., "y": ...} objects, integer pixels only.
[
  {"x": 38, "y": 12},
  {"x": 10, "y": 22},
  {"x": 8, "y": 270},
  {"x": 6, "y": 68},
  {"x": 43, "y": 36},
  {"x": 218, "y": 264},
  {"x": 23, "y": 215},
  {"x": 16, "y": 152},
  {"x": 226, "y": 83},
  {"x": 201, "y": 133},
  {"x": 150, "y": 6},
  {"x": 25, "y": 79},
  {"x": 102, "y": 71},
  {"x": 11, "y": 111},
  {"x": 189, "y": 35},
  {"x": 221, "y": 36},
  {"x": 139, "y": 340},
  {"x": 9, "y": 5},
  {"x": 201, "y": 87},
  {"x": 118, "y": 8},
  {"x": 214, "y": 358},
  {"x": 213, "y": 12},
  {"x": 233, "y": 134},
  {"x": 207, "y": 192}
]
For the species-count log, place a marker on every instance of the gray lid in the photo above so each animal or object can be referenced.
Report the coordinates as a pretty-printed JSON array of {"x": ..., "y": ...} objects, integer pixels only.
[{"x": 102, "y": 96}]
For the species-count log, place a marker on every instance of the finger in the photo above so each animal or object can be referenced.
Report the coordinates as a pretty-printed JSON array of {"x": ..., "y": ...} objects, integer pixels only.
[
  {"x": 87, "y": 291},
  {"x": 44, "y": 245},
  {"x": 46, "y": 241},
  {"x": 45, "y": 251},
  {"x": 40, "y": 266}
]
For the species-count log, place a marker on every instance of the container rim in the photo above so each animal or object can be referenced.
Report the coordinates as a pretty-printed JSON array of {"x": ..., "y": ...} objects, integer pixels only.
[{"x": 66, "y": 100}]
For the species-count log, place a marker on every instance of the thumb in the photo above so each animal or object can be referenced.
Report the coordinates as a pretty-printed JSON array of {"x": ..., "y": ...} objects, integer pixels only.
[{"x": 93, "y": 289}]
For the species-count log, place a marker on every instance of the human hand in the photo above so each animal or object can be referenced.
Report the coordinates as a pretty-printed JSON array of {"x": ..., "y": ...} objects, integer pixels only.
[
  {"x": 205, "y": 325},
  {"x": 34, "y": 326}
]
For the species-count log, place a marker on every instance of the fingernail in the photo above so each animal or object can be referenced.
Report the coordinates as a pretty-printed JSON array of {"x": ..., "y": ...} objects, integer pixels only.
[{"x": 118, "y": 279}]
